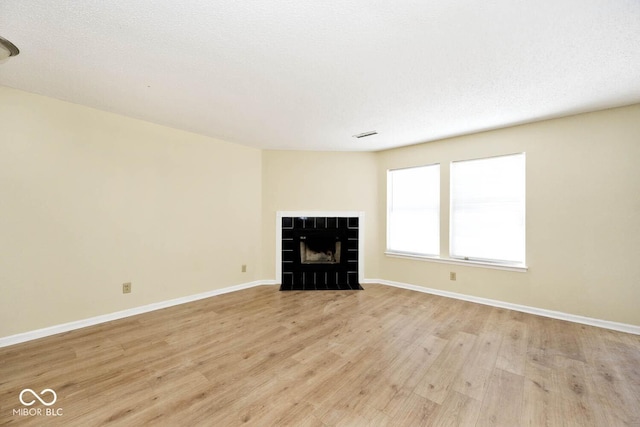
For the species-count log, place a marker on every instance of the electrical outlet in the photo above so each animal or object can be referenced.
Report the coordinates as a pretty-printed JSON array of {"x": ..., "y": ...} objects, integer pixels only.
[
  {"x": 452, "y": 275},
  {"x": 126, "y": 288},
  {"x": 244, "y": 268}
]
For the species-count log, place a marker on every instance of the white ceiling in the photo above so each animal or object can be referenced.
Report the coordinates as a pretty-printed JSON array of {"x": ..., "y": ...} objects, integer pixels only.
[{"x": 307, "y": 75}]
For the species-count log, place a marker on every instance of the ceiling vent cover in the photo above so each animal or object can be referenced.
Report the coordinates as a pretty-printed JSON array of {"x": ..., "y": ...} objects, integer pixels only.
[{"x": 365, "y": 134}]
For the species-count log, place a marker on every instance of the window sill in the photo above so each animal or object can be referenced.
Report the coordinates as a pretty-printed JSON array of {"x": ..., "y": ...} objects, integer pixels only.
[{"x": 508, "y": 267}]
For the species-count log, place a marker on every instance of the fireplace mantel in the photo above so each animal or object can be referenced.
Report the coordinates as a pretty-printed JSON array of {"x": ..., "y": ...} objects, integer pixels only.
[{"x": 311, "y": 214}]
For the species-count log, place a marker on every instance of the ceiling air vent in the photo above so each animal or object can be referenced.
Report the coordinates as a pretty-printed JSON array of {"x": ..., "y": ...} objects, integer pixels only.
[{"x": 365, "y": 134}]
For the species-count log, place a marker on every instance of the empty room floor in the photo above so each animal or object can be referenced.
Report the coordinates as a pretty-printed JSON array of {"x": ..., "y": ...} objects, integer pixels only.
[{"x": 381, "y": 356}]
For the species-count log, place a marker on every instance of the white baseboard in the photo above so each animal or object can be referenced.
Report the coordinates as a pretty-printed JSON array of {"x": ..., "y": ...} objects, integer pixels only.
[
  {"x": 65, "y": 327},
  {"x": 622, "y": 327}
]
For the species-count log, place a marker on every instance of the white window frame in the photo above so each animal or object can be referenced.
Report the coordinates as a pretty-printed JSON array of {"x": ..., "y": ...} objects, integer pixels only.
[
  {"x": 511, "y": 204},
  {"x": 446, "y": 258},
  {"x": 435, "y": 226}
]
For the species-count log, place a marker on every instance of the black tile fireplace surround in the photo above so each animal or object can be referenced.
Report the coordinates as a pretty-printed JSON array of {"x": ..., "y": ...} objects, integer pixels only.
[{"x": 320, "y": 253}]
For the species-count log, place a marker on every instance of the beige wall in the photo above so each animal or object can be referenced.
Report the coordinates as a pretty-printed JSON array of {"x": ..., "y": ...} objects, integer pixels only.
[
  {"x": 90, "y": 200},
  {"x": 583, "y": 215},
  {"x": 318, "y": 181}
]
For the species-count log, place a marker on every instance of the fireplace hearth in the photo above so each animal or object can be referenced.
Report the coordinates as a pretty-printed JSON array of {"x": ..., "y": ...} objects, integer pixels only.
[{"x": 319, "y": 253}]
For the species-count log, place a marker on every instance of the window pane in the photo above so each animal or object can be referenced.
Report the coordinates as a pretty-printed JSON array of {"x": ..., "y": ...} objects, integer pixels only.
[
  {"x": 488, "y": 209},
  {"x": 413, "y": 210}
]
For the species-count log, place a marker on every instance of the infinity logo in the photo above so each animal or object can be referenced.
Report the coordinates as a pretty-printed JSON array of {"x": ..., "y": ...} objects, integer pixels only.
[{"x": 46, "y": 390}]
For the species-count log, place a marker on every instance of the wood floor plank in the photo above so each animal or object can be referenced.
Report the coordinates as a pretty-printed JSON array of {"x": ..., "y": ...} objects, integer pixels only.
[
  {"x": 513, "y": 349},
  {"x": 576, "y": 397},
  {"x": 409, "y": 409},
  {"x": 542, "y": 397},
  {"x": 458, "y": 410},
  {"x": 475, "y": 373},
  {"x": 379, "y": 357},
  {"x": 613, "y": 377},
  {"x": 401, "y": 373},
  {"x": 503, "y": 401},
  {"x": 439, "y": 378}
]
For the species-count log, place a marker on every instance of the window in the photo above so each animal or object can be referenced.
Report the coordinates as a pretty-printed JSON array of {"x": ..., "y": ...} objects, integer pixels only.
[
  {"x": 413, "y": 210},
  {"x": 488, "y": 209}
]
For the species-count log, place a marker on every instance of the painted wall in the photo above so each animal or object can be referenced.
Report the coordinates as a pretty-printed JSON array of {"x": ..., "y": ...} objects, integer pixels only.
[
  {"x": 309, "y": 181},
  {"x": 90, "y": 200},
  {"x": 583, "y": 215}
]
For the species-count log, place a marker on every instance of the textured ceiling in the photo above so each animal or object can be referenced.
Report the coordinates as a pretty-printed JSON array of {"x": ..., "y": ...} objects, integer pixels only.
[{"x": 291, "y": 74}]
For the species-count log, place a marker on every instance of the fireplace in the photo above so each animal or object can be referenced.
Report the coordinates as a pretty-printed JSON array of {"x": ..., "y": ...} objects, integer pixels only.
[{"x": 319, "y": 252}]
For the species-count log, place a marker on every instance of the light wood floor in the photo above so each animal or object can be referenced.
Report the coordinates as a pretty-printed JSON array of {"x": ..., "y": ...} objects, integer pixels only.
[{"x": 382, "y": 356}]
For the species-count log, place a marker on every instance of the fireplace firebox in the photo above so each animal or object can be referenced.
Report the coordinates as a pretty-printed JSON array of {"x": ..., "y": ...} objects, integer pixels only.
[
  {"x": 320, "y": 249},
  {"x": 320, "y": 253}
]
